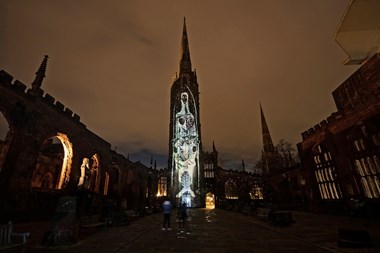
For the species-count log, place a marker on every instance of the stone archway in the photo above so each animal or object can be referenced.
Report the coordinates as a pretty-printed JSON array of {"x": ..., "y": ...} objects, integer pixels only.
[
  {"x": 111, "y": 181},
  {"x": 6, "y": 135},
  {"x": 54, "y": 161},
  {"x": 210, "y": 200}
]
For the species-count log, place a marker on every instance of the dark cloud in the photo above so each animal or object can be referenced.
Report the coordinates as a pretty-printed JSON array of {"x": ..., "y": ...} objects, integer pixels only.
[{"x": 113, "y": 64}]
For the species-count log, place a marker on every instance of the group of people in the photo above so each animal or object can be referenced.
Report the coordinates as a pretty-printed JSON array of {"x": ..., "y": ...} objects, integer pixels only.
[{"x": 167, "y": 209}]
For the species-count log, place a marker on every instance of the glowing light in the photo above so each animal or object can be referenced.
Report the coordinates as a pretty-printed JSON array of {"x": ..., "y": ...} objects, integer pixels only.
[
  {"x": 67, "y": 160},
  {"x": 210, "y": 201}
]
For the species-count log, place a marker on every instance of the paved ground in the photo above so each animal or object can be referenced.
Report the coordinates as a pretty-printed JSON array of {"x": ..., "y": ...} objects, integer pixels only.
[{"x": 219, "y": 231}]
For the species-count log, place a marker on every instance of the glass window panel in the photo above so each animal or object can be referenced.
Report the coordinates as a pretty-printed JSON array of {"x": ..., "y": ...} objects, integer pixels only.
[
  {"x": 366, "y": 189},
  {"x": 377, "y": 163},
  {"x": 359, "y": 168},
  {"x": 316, "y": 176},
  {"x": 331, "y": 175},
  {"x": 364, "y": 166},
  {"x": 331, "y": 191},
  {"x": 356, "y": 145},
  {"x": 335, "y": 190},
  {"x": 362, "y": 144},
  {"x": 371, "y": 166},
  {"x": 326, "y": 157},
  {"x": 376, "y": 139},
  {"x": 372, "y": 186},
  {"x": 320, "y": 191},
  {"x": 326, "y": 191},
  {"x": 377, "y": 184}
]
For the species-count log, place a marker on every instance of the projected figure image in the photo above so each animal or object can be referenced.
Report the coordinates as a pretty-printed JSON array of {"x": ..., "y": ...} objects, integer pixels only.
[{"x": 185, "y": 147}]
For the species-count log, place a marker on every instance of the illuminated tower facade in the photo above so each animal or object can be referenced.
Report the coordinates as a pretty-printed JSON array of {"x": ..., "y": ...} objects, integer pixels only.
[{"x": 185, "y": 144}]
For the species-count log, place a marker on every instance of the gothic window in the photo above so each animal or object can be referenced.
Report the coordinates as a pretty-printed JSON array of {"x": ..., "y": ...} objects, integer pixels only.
[
  {"x": 256, "y": 192},
  {"x": 94, "y": 174},
  {"x": 366, "y": 160},
  {"x": 231, "y": 189},
  {"x": 377, "y": 163},
  {"x": 106, "y": 183},
  {"x": 162, "y": 187},
  {"x": 366, "y": 189},
  {"x": 47, "y": 181},
  {"x": 209, "y": 170},
  {"x": 359, "y": 168},
  {"x": 325, "y": 174},
  {"x": 356, "y": 144},
  {"x": 376, "y": 139}
]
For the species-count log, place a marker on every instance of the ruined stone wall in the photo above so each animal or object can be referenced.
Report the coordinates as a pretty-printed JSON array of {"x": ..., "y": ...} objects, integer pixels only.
[{"x": 35, "y": 116}]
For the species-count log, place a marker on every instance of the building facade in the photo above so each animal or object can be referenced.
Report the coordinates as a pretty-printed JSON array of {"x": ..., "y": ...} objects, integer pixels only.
[
  {"x": 342, "y": 153},
  {"x": 185, "y": 145}
]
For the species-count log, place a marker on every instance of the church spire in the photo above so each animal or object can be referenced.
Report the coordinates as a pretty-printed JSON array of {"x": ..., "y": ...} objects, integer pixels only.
[
  {"x": 267, "y": 139},
  {"x": 185, "y": 63},
  {"x": 40, "y": 74}
]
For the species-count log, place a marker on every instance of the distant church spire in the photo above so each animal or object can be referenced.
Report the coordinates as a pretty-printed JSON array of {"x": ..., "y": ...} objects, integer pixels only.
[
  {"x": 40, "y": 74},
  {"x": 213, "y": 146},
  {"x": 267, "y": 139},
  {"x": 185, "y": 63}
]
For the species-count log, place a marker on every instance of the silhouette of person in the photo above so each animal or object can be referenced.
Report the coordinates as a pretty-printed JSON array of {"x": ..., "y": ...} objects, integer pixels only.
[
  {"x": 183, "y": 215},
  {"x": 166, "y": 209}
]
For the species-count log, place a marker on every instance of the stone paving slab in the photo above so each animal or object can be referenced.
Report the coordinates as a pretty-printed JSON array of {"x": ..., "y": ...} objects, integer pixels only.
[{"x": 225, "y": 231}]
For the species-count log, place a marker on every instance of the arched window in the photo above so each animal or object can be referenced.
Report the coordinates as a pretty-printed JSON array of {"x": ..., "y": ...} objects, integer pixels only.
[
  {"x": 366, "y": 159},
  {"x": 373, "y": 188},
  {"x": 94, "y": 174},
  {"x": 47, "y": 181},
  {"x": 106, "y": 183},
  {"x": 162, "y": 186},
  {"x": 377, "y": 163},
  {"x": 325, "y": 173},
  {"x": 359, "y": 168},
  {"x": 366, "y": 189},
  {"x": 55, "y": 157},
  {"x": 231, "y": 189}
]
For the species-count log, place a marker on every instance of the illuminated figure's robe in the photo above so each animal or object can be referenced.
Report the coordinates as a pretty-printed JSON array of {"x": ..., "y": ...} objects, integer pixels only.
[{"x": 185, "y": 147}]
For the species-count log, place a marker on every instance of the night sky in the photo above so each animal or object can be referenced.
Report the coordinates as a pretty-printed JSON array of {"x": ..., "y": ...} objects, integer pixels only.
[{"x": 113, "y": 62}]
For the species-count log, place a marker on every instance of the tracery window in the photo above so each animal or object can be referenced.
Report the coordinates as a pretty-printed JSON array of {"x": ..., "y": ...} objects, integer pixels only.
[
  {"x": 162, "y": 187},
  {"x": 366, "y": 163},
  {"x": 209, "y": 170},
  {"x": 325, "y": 174},
  {"x": 231, "y": 189},
  {"x": 256, "y": 192}
]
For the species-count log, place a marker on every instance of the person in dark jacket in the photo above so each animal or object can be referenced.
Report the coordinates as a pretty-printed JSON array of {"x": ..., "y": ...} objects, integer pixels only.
[
  {"x": 166, "y": 209},
  {"x": 183, "y": 215}
]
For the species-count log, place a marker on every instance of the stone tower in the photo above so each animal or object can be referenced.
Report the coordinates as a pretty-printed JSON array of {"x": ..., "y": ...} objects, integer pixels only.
[
  {"x": 185, "y": 144},
  {"x": 270, "y": 156}
]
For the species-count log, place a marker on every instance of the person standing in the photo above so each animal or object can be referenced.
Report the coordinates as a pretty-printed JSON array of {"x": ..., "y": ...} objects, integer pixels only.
[
  {"x": 166, "y": 209},
  {"x": 183, "y": 215}
]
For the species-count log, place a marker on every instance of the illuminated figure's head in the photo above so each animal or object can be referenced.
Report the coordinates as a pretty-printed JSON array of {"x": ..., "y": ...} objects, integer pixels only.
[{"x": 184, "y": 97}]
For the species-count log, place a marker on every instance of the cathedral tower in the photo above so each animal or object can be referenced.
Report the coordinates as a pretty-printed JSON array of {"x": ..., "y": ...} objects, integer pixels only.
[
  {"x": 185, "y": 144},
  {"x": 270, "y": 156}
]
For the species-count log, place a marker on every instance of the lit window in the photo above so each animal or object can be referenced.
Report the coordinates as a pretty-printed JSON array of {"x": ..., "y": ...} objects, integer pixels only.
[
  {"x": 162, "y": 187},
  {"x": 230, "y": 189},
  {"x": 325, "y": 174}
]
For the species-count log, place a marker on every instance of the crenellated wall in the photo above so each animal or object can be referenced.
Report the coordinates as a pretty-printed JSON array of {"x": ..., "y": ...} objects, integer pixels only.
[
  {"x": 333, "y": 144},
  {"x": 34, "y": 117}
]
